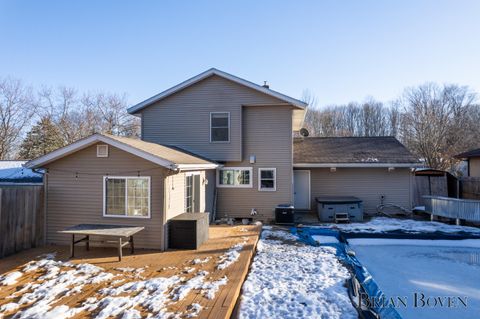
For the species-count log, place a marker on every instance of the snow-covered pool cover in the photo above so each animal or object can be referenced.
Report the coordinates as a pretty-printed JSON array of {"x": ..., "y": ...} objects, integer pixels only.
[
  {"x": 425, "y": 270},
  {"x": 386, "y": 224},
  {"x": 289, "y": 279}
]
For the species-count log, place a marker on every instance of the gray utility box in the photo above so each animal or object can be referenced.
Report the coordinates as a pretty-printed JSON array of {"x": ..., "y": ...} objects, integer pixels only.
[
  {"x": 328, "y": 206},
  {"x": 188, "y": 230}
]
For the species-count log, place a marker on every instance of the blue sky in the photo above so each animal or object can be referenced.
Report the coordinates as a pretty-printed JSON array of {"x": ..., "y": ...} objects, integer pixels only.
[{"x": 339, "y": 50}]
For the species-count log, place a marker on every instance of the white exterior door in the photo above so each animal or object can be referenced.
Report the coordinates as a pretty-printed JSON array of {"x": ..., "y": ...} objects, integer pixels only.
[{"x": 301, "y": 189}]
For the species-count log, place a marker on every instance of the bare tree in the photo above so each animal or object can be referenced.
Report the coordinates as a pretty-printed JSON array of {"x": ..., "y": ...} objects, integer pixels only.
[
  {"x": 77, "y": 117},
  {"x": 16, "y": 112},
  {"x": 111, "y": 116},
  {"x": 437, "y": 123}
]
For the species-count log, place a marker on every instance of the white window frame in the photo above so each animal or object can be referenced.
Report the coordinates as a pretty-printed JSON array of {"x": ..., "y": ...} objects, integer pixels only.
[
  {"x": 274, "y": 179},
  {"x": 229, "y": 127},
  {"x": 126, "y": 197},
  {"x": 250, "y": 169},
  {"x": 185, "y": 187}
]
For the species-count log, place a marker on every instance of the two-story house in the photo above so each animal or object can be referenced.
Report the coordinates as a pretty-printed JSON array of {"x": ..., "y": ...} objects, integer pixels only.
[{"x": 214, "y": 143}]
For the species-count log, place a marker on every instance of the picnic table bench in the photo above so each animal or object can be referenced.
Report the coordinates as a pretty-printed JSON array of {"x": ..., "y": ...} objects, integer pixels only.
[{"x": 117, "y": 231}]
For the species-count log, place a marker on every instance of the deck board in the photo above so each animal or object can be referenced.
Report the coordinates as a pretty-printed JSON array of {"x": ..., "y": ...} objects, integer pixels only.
[{"x": 159, "y": 263}]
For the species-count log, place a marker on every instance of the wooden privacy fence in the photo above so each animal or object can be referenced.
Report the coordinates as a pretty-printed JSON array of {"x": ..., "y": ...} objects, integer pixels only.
[
  {"x": 22, "y": 218},
  {"x": 470, "y": 187},
  {"x": 464, "y": 209}
]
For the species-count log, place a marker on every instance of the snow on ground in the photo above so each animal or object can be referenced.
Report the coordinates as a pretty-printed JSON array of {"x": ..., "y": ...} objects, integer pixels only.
[
  {"x": 441, "y": 269},
  {"x": 386, "y": 224},
  {"x": 289, "y": 279}
]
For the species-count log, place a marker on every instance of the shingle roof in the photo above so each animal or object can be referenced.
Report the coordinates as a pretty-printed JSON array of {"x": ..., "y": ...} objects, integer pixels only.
[
  {"x": 171, "y": 154},
  {"x": 351, "y": 150},
  {"x": 472, "y": 153},
  {"x": 159, "y": 154},
  {"x": 136, "y": 108}
]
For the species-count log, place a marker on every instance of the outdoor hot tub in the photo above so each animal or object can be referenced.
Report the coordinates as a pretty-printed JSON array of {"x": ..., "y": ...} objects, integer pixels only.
[{"x": 335, "y": 209}]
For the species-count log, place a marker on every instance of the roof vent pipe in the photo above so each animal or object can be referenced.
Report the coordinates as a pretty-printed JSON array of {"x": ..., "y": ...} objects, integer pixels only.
[{"x": 265, "y": 85}]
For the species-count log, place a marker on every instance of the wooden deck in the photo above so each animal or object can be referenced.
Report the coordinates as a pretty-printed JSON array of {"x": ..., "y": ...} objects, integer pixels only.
[{"x": 160, "y": 264}]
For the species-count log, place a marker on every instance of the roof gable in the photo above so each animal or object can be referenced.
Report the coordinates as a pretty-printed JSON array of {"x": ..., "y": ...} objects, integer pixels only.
[
  {"x": 138, "y": 107},
  {"x": 159, "y": 154}
]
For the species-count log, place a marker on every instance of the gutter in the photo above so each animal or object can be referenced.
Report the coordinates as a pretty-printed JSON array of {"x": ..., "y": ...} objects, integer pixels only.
[
  {"x": 190, "y": 167},
  {"x": 357, "y": 165}
]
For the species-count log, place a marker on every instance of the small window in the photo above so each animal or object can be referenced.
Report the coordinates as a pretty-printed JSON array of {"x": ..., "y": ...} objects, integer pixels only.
[
  {"x": 102, "y": 150},
  {"x": 220, "y": 127},
  {"x": 126, "y": 197},
  {"x": 235, "y": 177},
  {"x": 267, "y": 179}
]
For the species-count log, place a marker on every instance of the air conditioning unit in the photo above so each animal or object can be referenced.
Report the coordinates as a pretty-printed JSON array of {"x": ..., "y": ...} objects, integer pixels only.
[{"x": 102, "y": 150}]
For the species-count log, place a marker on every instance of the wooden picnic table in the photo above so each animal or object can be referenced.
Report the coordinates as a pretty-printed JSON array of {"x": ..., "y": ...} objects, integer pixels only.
[{"x": 117, "y": 231}]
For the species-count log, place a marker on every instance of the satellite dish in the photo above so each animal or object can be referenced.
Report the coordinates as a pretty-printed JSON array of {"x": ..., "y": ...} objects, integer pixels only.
[{"x": 304, "y": 132}]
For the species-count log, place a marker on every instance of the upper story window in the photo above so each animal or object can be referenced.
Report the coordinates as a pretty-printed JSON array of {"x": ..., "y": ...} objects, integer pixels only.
[{"x": 220, "y": 127}]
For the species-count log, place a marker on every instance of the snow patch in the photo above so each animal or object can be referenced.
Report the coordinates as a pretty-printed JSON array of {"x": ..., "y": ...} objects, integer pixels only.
[
  {"x": 58, "y": 280},
  {"x": 209, "y": 289},
  {"x": 10, "y": 279},
  {"x": 472, "y": 243},
  {"x": 194, "y": 309},
  {"x": 197, "y": 261},
  {"x": 12, "y": 306},
  {"x": 230, "y": 256},
  {"x": 386, "y": 224},
  {"x": 325, "y": 239}
]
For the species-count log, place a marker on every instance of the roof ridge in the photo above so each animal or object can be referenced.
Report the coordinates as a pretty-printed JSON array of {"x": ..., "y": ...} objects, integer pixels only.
[{"x": 206, "y": 74}]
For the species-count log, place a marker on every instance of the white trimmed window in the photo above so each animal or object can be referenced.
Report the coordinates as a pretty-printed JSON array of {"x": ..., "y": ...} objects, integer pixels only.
[
  {"x": 239, "y": 177},
  {"x": 126, "y": 196},
  {"x": 220, "y": 127},
  {"x": 267, "y": 179}
]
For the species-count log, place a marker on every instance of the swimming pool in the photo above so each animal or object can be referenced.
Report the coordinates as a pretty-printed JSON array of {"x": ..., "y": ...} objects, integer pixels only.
[
  {"x": 424, "y": 275},
  {"x": 425, "y": 278}
]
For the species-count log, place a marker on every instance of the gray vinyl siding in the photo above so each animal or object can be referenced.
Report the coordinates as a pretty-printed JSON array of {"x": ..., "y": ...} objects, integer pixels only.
[
  {"x": 183, "y": 119},
  {"x": 267, "y": 134},
  {"x": 366, "y": 183},
  {"x": 78, "y": 200}
]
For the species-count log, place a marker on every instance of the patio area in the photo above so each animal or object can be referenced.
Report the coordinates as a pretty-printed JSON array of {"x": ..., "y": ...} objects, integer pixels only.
[{"x": 204, "y": 283}]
